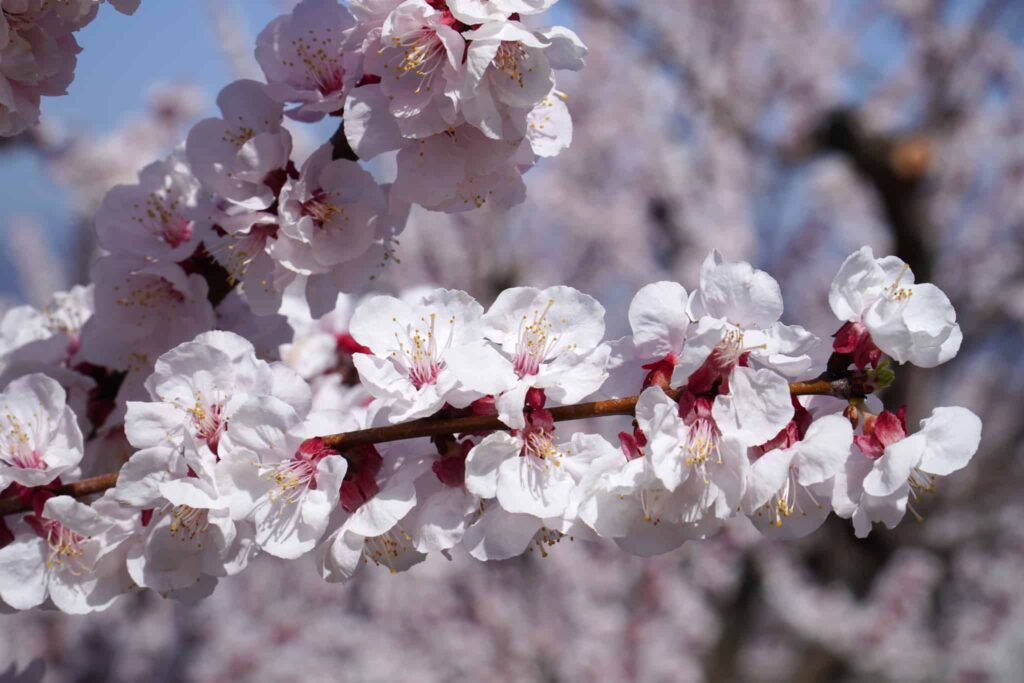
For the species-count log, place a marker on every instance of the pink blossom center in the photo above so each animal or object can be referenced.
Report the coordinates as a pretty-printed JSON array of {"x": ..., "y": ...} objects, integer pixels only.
[
  {"x": 294, "y": 477},
  {"x": 536, "y": 343},
  {"x": 321, "y": 210},
  {"x": 26, "y": 459},
  {"x": 64, "y": 545},
  {"x": 209, "y": 423},
  {"x": 419, "y": 356},
  {"x": 177, "y": 231}
]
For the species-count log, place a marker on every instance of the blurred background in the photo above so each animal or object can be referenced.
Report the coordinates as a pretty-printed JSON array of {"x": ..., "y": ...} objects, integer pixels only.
[{"x": 784, "y": 132}]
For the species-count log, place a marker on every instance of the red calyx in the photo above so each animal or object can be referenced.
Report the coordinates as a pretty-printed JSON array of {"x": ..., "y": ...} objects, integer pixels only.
[{"x": 854, "y": 339}]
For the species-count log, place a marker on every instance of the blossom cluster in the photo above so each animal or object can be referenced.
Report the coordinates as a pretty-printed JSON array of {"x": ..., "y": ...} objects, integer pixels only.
[
  {"x": 38, "y": 52},
  {"x": 461, "y": 94},
  {"x": 231, "y": 455}
]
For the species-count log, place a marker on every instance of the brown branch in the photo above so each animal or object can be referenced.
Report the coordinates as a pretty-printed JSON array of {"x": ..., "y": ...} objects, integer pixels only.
[{"x": 430, "y": 426}]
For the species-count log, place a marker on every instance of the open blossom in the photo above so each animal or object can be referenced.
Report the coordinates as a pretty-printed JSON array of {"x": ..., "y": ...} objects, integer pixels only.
[
  {"x": 699, "y": 445},
  {"x": 50, "y": 335},
  {"x": 240, "y": 156},
  {"x": 188, "y": 538},
  {"x": 419, "y": 57},
  {"x": 142, "y": 310},
  {"x": 890, "y": 467},
  {"x": 622, "y": 499},
  {"x": 39, "y": 435},
  {"x": 552, "y": 339},
  {"x": 789, "y": 488},
  {"x": 426, "y": 354},
  {"x": 529, "y": 486},
  {"x": 377, "y": 496},
  {"x": 155, "y": 218},
  {"x": 885, "y": 309},
  {"x": 69, "y": 552},
  {"x": 303, "y": 58},
  {"x": 738, "y": 308},
  {"x": 329, "y": 214},
  {"x": 280, "y": 475},
  {"x": 508, "y": 70},
  {"x": 196, "y": 387}
]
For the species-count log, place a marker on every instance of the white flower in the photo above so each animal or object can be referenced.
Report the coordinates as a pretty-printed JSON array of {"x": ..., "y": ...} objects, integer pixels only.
[
  {"x": 738, "y": 309},
  {"x": 196, "y": 388},
  {"x": 789, "y": 488},
  {"x": 701, "y": 447},
  {"x": 302, "y": 58},
  {"x": 552, "y": 339},
  {"x": 188, "y": 535},
  {"x": 533, "y": 483},
  {"x": 427, "y": 354},
  {"x": 912, "y": 323},
  {"x": 877, "y": 484},
  {"x": 72, "y": 553},
  {"x": 154, "y": 219},
  {"x": 278, "y": 474},
  {"x": 142, "y": 310},
  {"x": 623, "y": 500},
  {"x": 480, "y": 11},
  {"x": 237, "y": 156},
  {"x": 378, "y": 495},
  {"x": 508, "y": 73},
  {"x": 328, "y": 215},
  {"x": 39, "y": 435},
  {"x": 419, "y": 57}
]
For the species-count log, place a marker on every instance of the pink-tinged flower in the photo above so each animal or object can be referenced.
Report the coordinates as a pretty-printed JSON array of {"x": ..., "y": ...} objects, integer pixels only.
[
  {"x": 419, "y": 57},
  {"x": 330, "y": 215},
  {"x": 142, "y": 310},
  {"x": 302, "y": 57},
  {"x": 155, "y": 219},
  {"x": 71, "y": 553},
  {"x": 789, "y": 487},
  {"x": 240, "y": 156},
  {"x": 508, "y": 73},
  {"x": 878, "y": 488},
  {"x": 912, "y": 323},
  {"x": 533, "y": 482},
  {"x": 39, "y": 435},
  {"x": 377, "y": 497},
  {"x": 737, "y": 309},
  {"x": 426, "y": 354},
  {"x": 278, "y": 475},
  {"x": 552, "y": 339},
  {"x": 188, "y": 538},
  {"x": 38, "y": 54},
  {"x": 196, "y": 388}
]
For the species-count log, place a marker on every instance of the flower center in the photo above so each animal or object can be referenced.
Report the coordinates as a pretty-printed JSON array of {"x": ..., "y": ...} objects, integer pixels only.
[
  {"x": 208, "y": 422},
  {"x": 900, "y": 293},
  {"x": 189, "y": 521},
  {"x": 420, "y": 356},
  {"x": 388, "y": 548},
  {"x": 323, "y": 69},
  {"x": 510, "y": 59},
  {"x": 293, "y": 478},
  {"x": 701, "y": 445},
  {"x": 535, "y": 343},
  {"x": 321, "y": 210},
  {"x": 422, "y": 54},
  {"x": 65, "y": 547}
]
